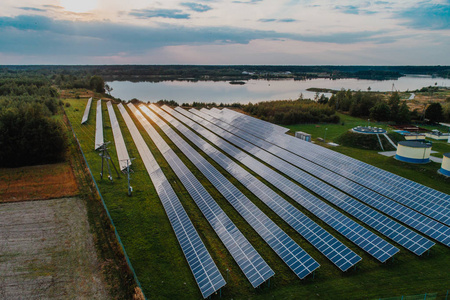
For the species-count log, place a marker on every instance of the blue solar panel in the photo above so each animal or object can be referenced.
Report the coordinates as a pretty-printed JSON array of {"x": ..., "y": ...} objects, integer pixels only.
[
  {"x": 250, "y": 262},
  {"x": 205, "y": 271},
  {"x": 300, "y": 262},
  {"x": 362, "y": 237},
  {"x": 333, "y": 249},
  {"x": 402, "y": 235},
  {"x": 430, "y": 202}
]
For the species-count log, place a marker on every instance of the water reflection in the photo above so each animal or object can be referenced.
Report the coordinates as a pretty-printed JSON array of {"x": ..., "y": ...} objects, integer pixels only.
[{"x": 257, "y": 90}]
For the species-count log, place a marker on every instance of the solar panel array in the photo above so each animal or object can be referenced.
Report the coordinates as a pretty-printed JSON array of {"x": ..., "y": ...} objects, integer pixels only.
[
  {"x": 98, "y": 126},
  {"x": 430, "y": 202},
  {"x": 205, "y": 271},
  {"x": 300, "y": 262},
  {"x": 359, "y": 235},
  {"x": 121, "y": 149},
  {"x": 399, "y": 233},
  {"x": 86, "y": 111},
  {"x": 251, "y": 263},
  {"x": 333, "y": 249},
  {"x": 357, "y": 171}
]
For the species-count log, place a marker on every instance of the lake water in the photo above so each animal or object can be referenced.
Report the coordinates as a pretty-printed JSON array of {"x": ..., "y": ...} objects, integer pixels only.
[{"x": 257, "y": 90}]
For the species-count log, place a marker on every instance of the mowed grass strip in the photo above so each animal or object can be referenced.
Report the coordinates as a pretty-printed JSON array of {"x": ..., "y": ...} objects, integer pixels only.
[{"x": 163, "y": 272}]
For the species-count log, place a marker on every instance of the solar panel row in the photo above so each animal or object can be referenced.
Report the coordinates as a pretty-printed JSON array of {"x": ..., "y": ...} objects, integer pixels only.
[
  {"x": 332, "y": 248},
  {"x": 402, "y": 235},
  {"x": 428, "y": 201},
  {"x": 263, "y": 124},
  {"x": 251, "y": 263},
  {"x": 121, "y": 149},
  {"x": 205, "y": 271},
  {"x": 99, "y": 126},
  {"x": 300, "y": 262},
  {"x": 86, "y": 111},
  {"x": 362, "y": 237}
]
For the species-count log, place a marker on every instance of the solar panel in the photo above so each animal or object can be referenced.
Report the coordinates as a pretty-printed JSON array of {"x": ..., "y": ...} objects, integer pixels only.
[
  {"x": 121, "y": 149},
  {"x": 418, "y": 197},
  {"x": 402, "y": 235},
  {"x": 205, "y": 271},
  {"x": 86, "y": 111},
  {"x": 333, "y": 249},
  {"x": 371, "y": 243},
  {"x": 261, "y": 123},
  {"x": 248, "y": 259},
  {"x": 300, "y": 262},
  {"x": 99, "y": 126}
]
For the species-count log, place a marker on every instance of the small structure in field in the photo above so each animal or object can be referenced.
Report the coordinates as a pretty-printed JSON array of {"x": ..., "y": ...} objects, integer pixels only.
[
  {"x": 303, "y": 136},
  {"x": 368, "y": 130}
]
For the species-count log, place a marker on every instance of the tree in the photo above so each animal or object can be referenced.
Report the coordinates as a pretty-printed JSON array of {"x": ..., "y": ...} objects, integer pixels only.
[
  {"x": 434, "y": 112},
  {"x": 404, "y": 115},
  {"x": 97, "y": 84},
  {"x": 380, "y": 111},
  {"x": 394, "y": 105}
]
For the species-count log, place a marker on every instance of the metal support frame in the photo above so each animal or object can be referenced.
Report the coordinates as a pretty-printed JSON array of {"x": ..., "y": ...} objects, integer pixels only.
[{"x": 105, "y": 156}]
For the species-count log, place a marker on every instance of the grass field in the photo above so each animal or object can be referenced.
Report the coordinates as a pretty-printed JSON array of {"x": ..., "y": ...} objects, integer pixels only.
[{"x": 162, "y": 269}]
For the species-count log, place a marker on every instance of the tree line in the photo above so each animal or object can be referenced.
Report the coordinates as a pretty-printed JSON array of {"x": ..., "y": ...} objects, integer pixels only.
[{"x": 288, "y": 112}]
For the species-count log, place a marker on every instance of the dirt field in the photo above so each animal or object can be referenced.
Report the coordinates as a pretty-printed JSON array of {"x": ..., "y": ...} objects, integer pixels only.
[
  {"x": 47, "y": 251},
  {"x": 37, "y": 182}
]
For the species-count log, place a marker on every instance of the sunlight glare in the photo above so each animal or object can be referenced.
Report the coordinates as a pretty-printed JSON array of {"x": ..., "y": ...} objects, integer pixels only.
[{"x": 79, "y": 6}]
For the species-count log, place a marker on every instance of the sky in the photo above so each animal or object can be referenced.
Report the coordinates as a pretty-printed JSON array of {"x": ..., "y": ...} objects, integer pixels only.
[{"x": 211, "y": 32}]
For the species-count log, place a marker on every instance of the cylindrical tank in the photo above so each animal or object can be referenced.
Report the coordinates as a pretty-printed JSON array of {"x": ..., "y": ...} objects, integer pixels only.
[
  {"x": 416, "y": 152},
  {"x": 445, "y": 167}
]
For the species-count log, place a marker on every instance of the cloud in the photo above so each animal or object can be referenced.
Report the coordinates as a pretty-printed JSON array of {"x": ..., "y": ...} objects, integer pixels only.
[
  {"x": 247, "y": 2},
  {"x": 348, "y": 9},
  {"x": 427, "y": 16},
  {"x": 267, "y": 20},
  {"x": 196, "y": 6},
  {"x": 159, "y": 13},
  {"x": 361, "y": 8},
  {"x": 287, "y": 20},
  {"x": 53, "y": 6},
  {"x": 40, "y": 36},
  {"x": 32, "y": 9}
]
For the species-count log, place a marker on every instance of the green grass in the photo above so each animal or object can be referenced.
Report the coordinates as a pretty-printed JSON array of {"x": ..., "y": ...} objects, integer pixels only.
[
  {"x": 332, "y": 131},
  {"x": 162, "y": 269}
]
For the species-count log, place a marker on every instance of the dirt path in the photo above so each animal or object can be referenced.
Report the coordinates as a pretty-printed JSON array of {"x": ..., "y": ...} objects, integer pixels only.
[{"x": 47, "y": 251}]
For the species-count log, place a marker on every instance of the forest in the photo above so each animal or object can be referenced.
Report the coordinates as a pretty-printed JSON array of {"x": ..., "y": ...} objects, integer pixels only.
[
  {"x": 29, "y": 132},
  {"x": 79, "y": 74}
]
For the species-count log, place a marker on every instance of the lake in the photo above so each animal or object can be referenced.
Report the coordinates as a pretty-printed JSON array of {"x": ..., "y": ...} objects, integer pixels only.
[{"x": 257, "y": 90}]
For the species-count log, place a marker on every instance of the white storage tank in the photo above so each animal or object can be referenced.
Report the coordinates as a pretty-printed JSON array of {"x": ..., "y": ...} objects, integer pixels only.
[
  {"x": 445, "y": 167},
  {"x": 417, "y": 152}
]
